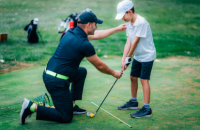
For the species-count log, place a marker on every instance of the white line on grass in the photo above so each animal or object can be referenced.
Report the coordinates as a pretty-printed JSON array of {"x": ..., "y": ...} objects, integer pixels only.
[{"x": 112, "y": 115}]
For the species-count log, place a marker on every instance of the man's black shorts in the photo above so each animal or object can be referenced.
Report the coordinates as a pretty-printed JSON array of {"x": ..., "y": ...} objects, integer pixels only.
[{"x": 141, "y": 69}]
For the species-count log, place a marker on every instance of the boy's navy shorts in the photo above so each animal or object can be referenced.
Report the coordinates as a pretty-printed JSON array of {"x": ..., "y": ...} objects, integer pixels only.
[{"x": 141, "y": 69}]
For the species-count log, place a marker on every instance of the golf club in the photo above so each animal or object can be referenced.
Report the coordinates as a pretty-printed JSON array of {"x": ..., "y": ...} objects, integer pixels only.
[
  {"x": 92, "y": 115},
  {"x": 112, "y": 115}
]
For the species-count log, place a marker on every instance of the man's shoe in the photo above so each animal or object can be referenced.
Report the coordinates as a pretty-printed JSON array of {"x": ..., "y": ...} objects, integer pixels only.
[
  {"x": 144, "y": 112},
  {"x": 77, "y": 110},
  {"x": 129, "y": 105},
  {"x": 25, "y": 110}
]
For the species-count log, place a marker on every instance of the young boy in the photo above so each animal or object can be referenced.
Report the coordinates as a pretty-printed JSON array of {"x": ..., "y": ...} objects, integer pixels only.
[{"x": 140, "y": 42}]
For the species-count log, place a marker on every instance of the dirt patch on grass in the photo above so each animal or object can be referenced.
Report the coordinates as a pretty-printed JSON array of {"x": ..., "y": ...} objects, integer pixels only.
[
  {"x": 178, "y": 58},
  {"x": 192, "y": 69},
  {"x": 13, "y": 66},
  {"x": 196, "y": 84},
  {"x": 187, "y": 70}
]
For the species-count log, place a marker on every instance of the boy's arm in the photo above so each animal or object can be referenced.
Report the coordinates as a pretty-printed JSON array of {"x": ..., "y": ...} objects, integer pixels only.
[
  {"x": 126, "y": 50},
  {"x": 100, "y": 34},
  {"x": 134, "y": 45}
]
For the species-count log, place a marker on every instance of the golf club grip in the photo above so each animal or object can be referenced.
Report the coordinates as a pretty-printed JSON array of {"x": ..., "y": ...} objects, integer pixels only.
[{"x": 106, "y": 95}]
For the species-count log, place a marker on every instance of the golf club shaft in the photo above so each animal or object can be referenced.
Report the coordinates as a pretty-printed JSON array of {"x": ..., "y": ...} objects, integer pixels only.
[
  {"x": 107, "y": 94},
  {"x": 113, "y": 115}
]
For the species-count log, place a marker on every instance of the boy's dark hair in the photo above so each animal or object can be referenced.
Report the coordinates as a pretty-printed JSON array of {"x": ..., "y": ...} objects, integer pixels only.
[{"x": 132, "y": 9}]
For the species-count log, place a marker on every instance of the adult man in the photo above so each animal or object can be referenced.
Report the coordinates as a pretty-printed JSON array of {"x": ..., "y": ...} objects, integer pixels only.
[
  {"x": 139, "y": 41},
  {"x": 63, "y": 68}
]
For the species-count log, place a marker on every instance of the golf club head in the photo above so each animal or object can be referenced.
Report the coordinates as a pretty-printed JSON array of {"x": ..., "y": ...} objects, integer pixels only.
[{"x": 88, "y": 114}]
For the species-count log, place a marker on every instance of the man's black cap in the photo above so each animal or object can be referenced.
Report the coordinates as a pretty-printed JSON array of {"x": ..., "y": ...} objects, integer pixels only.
[{"x": 89, "y": 17}]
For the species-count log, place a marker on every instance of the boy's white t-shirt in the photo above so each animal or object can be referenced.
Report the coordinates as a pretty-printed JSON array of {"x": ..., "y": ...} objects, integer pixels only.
[{"x": 145, "y": 50}]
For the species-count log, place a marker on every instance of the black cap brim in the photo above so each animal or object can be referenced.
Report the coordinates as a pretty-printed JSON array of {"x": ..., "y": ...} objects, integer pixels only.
[{"x": 99, "y": 21}]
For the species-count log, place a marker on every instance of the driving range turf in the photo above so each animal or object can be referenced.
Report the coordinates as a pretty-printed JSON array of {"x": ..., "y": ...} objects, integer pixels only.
[
  {"x": 175, "y": 82},
  {"x": 175, "y": 99},
  {"x": 175, "y": 26}
]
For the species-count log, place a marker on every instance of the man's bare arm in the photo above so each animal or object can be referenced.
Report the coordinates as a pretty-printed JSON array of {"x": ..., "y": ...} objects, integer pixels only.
[
  {"x": 102, "y": 67},
  {"x": 100, "y": 34}
]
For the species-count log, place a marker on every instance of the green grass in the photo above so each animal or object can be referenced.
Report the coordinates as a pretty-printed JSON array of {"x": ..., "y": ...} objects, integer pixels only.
[
  {"x": 175, "y": 98},
  {"x": 174, "y": 82},
  {"x": 174, "y": 23}
]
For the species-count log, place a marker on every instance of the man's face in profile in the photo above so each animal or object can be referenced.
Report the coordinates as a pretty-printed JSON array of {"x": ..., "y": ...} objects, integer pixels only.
[{"x": 92, "y": 28}]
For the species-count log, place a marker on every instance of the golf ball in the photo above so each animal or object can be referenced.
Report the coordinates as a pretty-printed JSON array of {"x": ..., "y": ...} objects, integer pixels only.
[{"x": 91, "y": 115}]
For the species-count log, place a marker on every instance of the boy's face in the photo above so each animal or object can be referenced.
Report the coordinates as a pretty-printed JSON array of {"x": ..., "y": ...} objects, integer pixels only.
[{"x": 127, "y": 16}]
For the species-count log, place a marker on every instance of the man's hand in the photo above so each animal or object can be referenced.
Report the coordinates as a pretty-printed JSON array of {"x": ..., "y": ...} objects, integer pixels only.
[
  {"x": 117, "y": 74},
  {"x": 121, "y": 27}
]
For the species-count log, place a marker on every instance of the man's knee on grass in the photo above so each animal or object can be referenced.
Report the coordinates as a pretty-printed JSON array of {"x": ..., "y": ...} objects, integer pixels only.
[{"x": 66, "y": 120}]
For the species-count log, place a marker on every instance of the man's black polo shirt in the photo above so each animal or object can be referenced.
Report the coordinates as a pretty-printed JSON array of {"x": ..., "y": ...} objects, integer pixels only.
[{"x": 73, "y": 47}]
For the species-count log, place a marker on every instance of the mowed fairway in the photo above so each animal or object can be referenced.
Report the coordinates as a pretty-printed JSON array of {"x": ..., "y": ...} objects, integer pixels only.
[
  {"x": 175, "y": 98},
  {"x": 175, "y": 82}
]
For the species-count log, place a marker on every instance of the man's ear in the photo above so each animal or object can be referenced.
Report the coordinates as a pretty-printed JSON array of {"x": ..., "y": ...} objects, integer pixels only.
[{"x": 87, "y": 25}]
